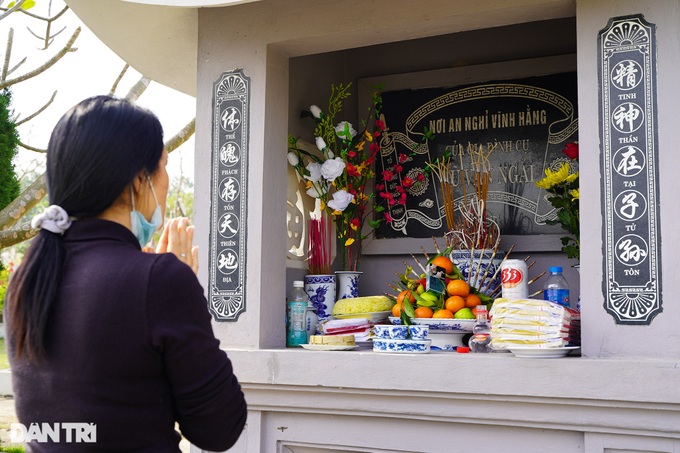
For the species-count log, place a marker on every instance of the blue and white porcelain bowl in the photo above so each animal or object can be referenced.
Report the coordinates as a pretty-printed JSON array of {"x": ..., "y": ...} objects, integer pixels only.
[
  {"x": 401, "y": 346},
  {"x": 418, "y": 332},
  {"x": 441, "y": 324},
  {"x": 390, "y": 332}
]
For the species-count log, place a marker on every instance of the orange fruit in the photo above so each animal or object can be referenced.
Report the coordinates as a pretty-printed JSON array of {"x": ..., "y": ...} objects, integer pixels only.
[
  {"x": 404, "y": 294},
  {"x": 443, "y": 262},
  {"x": 472, "y": 300},
  {"x": 443, "y": 313},
  {"x": 424, "y": 312},
  {"x": 458, "y": 288},
  {"x": 454, "y": 303},
  {"x": 396, "y": 310}
]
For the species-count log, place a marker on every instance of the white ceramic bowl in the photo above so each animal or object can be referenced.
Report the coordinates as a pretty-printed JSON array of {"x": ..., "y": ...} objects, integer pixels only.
[
  {"x": 401, "y": 346},
  {"x": 441, "y": 324}
]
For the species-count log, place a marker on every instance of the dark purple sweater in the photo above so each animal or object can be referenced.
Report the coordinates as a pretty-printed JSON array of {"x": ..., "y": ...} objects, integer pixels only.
[{"x": 130, "y": 348}]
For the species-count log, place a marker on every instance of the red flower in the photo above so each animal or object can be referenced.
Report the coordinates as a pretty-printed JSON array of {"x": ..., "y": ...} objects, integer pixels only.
[
  {"x": 352, "y": 170},
  {"x": 370, "y": 160},
  {"x": 402, "y": 158},
  {"x": 398, "y": 168},
  {"x": 571, "y": 150},
  {"x": 407, "y": 182},
  {"x": 388, "y": 217},
  {"x": 352, "y": 154},
  {"x": 379, "y": 187},
  {"x": 374, "y": 147},
  {"x": 386, "y": 195},
  {"x": 379, "y": 125},
  {"x": 355, "y": 222},
  {"x": 421, "y": 177},
  {"x": 387, "y": 175}
]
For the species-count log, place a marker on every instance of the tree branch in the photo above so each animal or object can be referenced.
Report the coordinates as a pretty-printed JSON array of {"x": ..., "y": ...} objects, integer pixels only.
[
  {"x": 120, "y": 77},
  {"x": 14, "y": 236},
  {"x": 16, "y": 7},
  {"x": 31, "y": 148},
  {"x": 23, "y": 203},
  {"x": 42, "y": 109},
  {"x": 138, "y": 88},
  {"x": 48, "y": 64},
  {"x": 8, "y": 54},
  {"x": 181, "y": 137}
]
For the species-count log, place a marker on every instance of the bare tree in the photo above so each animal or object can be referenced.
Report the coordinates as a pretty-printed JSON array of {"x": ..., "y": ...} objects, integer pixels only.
[{"x": 12, "y": 229}]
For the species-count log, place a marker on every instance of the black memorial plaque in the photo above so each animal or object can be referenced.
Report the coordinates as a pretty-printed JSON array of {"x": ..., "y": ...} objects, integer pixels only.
[
  {"x": 527, "y": 121},
  {"x": 231, "y": 107},
  {"x": 630, "y": 192}
]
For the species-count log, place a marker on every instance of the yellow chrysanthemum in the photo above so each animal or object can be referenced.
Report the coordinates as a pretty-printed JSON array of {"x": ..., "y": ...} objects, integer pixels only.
[
  {"x": 575, "y": 194},
  {"x": 353, "y": 226},
  {"x": 554, "y": 178},
  {"x": 360, "y": 146},
  {"x": 349, "y": 242},
  {"x": 308, "y": 184},
  {"x": 336, "y": 212},
  {"x": 368, "y": 136},
  {"x": 322, "y": 205}
]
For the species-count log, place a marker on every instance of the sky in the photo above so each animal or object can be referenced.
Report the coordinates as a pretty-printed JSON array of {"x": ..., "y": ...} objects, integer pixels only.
[{"x": 89, "y": 71}]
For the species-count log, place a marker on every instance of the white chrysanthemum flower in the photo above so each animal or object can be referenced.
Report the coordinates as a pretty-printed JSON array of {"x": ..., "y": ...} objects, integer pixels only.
[
  {"x": 314, "y": 169},
  {"x": 341, "y": 199},
  {"x": 340, "y": 130},
  {"x": 316, "y": 111},
  {"x": 317, "y": 190},
  {"x": 293, "y": 159},
  {"x": 320, "y": 143},
  {"x": 332, "y": 168}
]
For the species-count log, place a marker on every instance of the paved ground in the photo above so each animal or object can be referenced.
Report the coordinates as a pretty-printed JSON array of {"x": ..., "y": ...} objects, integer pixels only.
[{"x": 8, "y": 416}]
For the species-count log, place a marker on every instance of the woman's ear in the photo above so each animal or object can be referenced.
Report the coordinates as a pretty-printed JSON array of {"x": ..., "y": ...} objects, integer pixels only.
[{"x": 139, "y": 181}]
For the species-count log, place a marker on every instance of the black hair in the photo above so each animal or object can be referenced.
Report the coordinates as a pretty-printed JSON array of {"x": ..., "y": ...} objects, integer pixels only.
[{"x": 95, "y": 151}]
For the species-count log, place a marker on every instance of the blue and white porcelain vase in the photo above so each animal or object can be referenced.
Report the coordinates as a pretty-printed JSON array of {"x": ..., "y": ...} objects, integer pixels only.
[
  {"x": 348, "y": 284},
  {"x": 480, "y": 270},
  {"x": 321, "y": 292}
]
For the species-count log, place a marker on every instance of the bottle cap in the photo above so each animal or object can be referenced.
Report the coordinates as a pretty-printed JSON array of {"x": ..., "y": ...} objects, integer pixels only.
[
  {"x": 462, "y": 349},
  {"x": 555, "y": 269},
  {"x": 298, "y": 284}
]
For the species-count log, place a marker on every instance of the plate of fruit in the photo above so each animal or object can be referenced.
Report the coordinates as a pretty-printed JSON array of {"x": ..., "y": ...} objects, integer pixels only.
[{"x": 439, "y": 297}]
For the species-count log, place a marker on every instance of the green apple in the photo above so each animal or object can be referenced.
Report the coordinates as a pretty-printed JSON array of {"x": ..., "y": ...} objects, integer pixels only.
[
  {"x": 464, "y": 313},
  {"x": 430, "y": 296}
]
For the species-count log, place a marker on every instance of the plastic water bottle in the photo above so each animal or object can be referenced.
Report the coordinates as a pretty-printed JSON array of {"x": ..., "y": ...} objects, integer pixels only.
[
  {"x": 481, "y": 332},
  {"x": 296, "y": 315},
  {"x": 556, "y": 288}
]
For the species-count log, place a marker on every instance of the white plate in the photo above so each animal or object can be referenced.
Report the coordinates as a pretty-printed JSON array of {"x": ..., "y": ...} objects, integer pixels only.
[
  {"x": 543, "y": 353},
  {"x": 441, "y": 324},
  {"x": 328, "y": 347},
  {"x": 374, "y": 317}
]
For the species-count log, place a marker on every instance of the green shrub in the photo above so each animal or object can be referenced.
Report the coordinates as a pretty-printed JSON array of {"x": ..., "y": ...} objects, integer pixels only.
[{"x": 9, "y": 142}]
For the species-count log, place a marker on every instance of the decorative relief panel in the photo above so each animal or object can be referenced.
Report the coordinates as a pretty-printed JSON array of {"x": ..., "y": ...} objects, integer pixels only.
[
  {"x": 231, "y": 109},
  {"x": 630, "y": 194}
]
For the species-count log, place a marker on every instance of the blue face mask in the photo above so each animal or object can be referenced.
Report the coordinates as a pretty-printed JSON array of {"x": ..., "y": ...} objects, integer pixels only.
[{"x": 141, "y": 228}]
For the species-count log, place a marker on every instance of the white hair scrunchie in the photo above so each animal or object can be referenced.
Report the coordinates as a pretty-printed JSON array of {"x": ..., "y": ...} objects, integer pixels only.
[{"x": 54, "y": 219}]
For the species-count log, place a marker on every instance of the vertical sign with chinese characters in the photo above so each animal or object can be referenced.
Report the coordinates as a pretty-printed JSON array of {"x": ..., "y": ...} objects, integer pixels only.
[
  {"x": 630, "y": 193},
  {"x": 231, "y": 105}
]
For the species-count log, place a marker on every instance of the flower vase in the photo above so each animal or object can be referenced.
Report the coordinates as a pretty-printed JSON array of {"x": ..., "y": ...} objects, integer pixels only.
[
  {"x": 321, "y": 292},
  {"x": 480, "y": 270},
  {"x": 348, "y": 284}
]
